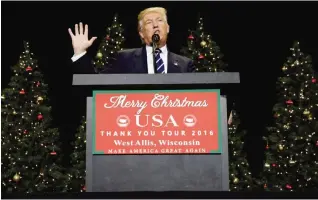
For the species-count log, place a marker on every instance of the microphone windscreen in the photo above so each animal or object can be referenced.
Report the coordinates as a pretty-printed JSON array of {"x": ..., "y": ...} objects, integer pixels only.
[{"x": 155, "y": 38}]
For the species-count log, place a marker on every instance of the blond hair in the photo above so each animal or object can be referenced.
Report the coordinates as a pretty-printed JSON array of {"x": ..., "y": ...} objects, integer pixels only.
[{"x": 159, "y": 10}]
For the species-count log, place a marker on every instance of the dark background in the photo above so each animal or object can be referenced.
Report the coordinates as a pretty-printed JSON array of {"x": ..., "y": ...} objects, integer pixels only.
[{"x": 254, "y": 36}]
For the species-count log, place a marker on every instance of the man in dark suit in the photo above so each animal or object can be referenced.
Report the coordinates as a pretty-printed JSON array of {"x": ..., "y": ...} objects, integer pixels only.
[{"x": 141, "y": 60}]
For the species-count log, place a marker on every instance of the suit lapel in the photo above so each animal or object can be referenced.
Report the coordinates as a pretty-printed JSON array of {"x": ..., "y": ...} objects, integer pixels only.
[
  {"x": 140, "y": 61},
  {"x": 173, "y": 64}
]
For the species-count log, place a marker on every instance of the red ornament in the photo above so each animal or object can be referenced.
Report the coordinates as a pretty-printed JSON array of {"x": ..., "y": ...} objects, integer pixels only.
[
  {"x": 53, "y": 153},
  {"x": 25, "y": 131},
  {"x": 313, "y": 80},
  {"x": 274, "y": 165},
  {"x": 265, "y": 186},
  {"x": 289, "y": 102},
  {"x": 191, "y": 37},
  {"x": 201, "y": 56},
  {"x": 38, "y": 84},
  {"x": 22, "y": 91},
  {"x": 317, "y": 143},
  {"x": 288, "y": 186},
  {"x": 267, "y": 147},
  {"x": 40, "y": 116},
  {"x": 107, "y": 37},
  {"x": 28, "y": 68},
  {"x": 84, "y": 188}
]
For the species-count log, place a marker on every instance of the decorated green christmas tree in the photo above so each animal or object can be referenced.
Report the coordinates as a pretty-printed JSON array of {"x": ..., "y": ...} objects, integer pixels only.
[
  {"x": 292, "y": 144},
  {"x": 204, "y": 52},
  {"x": 208, "y": 57},
  {"x": 30, "y": 160},
  {"x": 77, "y": 172},
  {"x": 109, "y": 46},
  {"x": 240, "y": 176}
]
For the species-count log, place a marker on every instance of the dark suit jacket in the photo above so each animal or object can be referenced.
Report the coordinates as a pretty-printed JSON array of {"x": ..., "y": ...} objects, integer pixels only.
[{"x": 134, "y": 61}]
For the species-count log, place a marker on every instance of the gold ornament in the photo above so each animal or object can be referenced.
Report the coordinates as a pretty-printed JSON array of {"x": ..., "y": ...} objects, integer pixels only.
[
  {"x": 39, "y": 99},
  {"x": 14, "y": 112},
  {"x": 267, "y": 165},
  {"x": 306, "y": 112},
  {"x": 236, "y": 180},
  {"x": 2, "y": 97},
  {"x": 99, "y": 55},
  {"x": 16, "y": 177},
  {"x": 280, "y": 147},
  {"x": 309, "y": 117},
  {"x": 292, "y": 162},
  {"x": 203, "y": 43},
  {"x": 284, "y": 68}
]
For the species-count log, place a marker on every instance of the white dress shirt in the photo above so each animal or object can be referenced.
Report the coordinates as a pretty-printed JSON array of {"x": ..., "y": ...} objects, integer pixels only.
[
  {"x": 163, "y": 55},
  {"x": 150, "y": 63}
]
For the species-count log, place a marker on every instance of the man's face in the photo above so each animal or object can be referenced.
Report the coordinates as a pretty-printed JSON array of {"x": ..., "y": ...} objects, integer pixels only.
[{"x": 154, "y": 23}]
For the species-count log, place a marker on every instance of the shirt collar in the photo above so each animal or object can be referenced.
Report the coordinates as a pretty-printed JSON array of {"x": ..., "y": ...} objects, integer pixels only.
[{"x": 149, "y": 49}]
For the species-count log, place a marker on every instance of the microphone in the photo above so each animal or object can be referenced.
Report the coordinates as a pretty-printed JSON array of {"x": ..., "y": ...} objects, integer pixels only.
[{"x": 155, "y": 38}]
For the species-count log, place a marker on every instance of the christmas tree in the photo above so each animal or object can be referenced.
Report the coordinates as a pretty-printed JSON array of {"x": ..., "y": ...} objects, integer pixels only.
[
  {"x": 240, "y": 176},
  {"x": 109, "y": 46},
  {"x": 208, "y": 57},
  {"x": 204, "y": 52},
  {"x": 30, "y": 151},
  {"x": 292, "y": 144},
  {"x": 77, "y": 173}
]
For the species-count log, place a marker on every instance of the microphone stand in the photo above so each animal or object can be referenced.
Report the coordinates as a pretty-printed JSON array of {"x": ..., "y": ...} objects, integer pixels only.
[
  {"x": 154, "y": 47},
  {"x": 155, "y": 41}
]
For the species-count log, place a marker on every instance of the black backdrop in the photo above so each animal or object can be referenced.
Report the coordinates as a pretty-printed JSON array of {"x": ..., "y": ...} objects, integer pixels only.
[{"x": 254, "y": 36}]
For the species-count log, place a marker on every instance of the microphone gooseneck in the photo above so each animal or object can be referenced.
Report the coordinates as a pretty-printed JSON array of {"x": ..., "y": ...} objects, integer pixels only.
[{"x": 155, "y": 40}]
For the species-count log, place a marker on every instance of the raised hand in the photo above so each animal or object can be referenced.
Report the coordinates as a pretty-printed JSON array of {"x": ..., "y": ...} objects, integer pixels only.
[{"x": 80, "y": 40}]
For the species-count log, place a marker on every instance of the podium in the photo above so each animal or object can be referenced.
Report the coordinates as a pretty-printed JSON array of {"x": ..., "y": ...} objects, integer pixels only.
[{"x": 167, "y": 170}]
